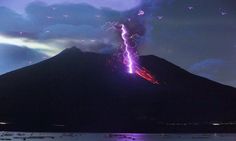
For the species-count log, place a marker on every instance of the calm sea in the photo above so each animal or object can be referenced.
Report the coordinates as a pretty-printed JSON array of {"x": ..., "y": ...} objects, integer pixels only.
[{"x": 23, "y": 136}]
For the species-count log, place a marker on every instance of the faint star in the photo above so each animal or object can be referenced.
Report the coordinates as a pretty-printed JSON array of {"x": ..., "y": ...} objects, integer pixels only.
[
  {"x": 223, "y": 13},
  {"x": 159, "y": 17},
  {"x": 110, "y": 26},
  {"x": 129, "y": 19},
  {"x": 65, "y": 16},
  {"x": 190, "y": 7},
  {"x": 98, "y": 16},
  {"x": 49, "y": 17},
  {"x": 141, "y": 13},
  {"x": 134, "y": 36}
]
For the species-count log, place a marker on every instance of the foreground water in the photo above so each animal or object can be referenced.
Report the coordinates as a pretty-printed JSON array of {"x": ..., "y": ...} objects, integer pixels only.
[{"x": 19, "y": 136}]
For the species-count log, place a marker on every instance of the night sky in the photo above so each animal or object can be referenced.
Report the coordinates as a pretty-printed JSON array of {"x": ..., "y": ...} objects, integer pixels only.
[{"x": 197, "y": 35}]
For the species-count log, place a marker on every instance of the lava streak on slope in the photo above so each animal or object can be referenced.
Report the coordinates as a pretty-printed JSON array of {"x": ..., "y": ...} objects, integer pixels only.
[{"x": 145, "y": 74}]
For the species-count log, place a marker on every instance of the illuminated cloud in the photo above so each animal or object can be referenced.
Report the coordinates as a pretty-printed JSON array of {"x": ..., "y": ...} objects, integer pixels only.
[
  {"x": 52, "y": 47},
  {"x": 38, "y": 32},
  {"x": 46, "y": 48}
]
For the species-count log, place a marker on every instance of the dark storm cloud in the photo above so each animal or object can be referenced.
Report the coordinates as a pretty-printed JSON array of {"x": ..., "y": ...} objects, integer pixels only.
[
  {"x": 11, "y": 22},
  {"x": 69, "y": 31},
  {"x": 190, "y": 33},
  {"x": 57, "y": 21},
  {"x": 64, "y": 25},
  {"x": 117, "y": 5},
  {"x": 13, "y": 57}
]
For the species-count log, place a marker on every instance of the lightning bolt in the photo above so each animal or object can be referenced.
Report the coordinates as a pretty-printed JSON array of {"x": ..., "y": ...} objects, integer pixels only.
[
  {"x": 128, "y": 54},
  {"x": 130, "y": 62}
]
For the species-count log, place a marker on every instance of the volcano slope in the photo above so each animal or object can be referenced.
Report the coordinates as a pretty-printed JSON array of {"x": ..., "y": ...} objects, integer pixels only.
[{"x": 87, "y": 92}]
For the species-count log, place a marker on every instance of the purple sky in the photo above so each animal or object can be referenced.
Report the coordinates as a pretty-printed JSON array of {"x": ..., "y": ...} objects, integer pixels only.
[{"x": 120, "y": 5}]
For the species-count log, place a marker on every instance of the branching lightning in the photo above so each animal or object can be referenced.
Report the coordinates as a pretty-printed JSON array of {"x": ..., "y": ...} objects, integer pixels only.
[
  {"x": 128, "y": 55},
  {"x": 130, "y": 61}
]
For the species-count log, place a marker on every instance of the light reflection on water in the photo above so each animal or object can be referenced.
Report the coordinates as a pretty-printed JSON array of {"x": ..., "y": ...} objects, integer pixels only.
[{"x": 21, "y": 136}]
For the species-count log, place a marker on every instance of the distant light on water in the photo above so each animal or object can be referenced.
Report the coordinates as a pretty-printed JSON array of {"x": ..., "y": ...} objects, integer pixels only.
[
  {"x": 215, "y": 124},
  {"x": 3, "y": 123}
]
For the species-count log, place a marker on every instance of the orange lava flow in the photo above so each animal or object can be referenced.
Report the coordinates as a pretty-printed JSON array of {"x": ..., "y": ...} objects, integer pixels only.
[{"x": 145, "y": 74}]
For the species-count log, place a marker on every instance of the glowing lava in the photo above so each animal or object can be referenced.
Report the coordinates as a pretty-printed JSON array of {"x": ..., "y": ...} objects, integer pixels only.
[
  {"x": 145, "y": 74},
  {"x": 129, "y": 59}
]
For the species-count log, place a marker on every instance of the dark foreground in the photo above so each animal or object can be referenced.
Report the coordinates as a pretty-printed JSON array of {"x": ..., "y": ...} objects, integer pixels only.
[
  {"x": 19, "y": 136},
  {"x": 170, "y": 128}
]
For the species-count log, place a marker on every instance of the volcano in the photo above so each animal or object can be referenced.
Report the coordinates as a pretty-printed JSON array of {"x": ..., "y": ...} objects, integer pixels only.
[{"x": 88, "y": 92}]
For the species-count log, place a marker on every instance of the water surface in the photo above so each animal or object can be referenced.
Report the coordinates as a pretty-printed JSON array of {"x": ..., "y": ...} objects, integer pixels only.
[{"x": 26, "y": 136}]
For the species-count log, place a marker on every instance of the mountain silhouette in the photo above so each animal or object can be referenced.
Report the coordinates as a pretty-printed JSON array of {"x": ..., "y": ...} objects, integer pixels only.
[{"x": 89, "y": 92}]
